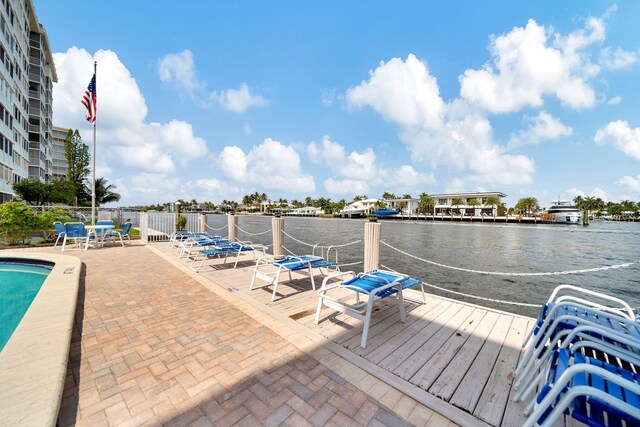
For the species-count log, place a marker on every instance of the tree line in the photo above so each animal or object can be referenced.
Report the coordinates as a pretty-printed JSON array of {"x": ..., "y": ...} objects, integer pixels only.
[{"x": 72, "y": 189}]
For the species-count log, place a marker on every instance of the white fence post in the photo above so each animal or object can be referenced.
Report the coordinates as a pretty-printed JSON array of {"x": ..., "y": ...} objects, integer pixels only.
[
  {"x": 232, "y": 222},
  {"x": 203, "y": 222},
  {"x": 371, "y": 245},
  {"x": 277, "y": 230},
  {"x": 144, "y": 227}
]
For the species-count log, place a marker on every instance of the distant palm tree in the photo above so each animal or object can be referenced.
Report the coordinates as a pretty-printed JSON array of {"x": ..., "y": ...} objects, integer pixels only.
[
  {"x": 492, "y": 201},
  {"x": 473, "y": 202},
  {"x": 527, "y": 205},
  {"x": 456, "y": 202},
  {"x": 588, "y": 204},
  {"x": 426, "y": 203},
  {"x": 104, "y": 192}
]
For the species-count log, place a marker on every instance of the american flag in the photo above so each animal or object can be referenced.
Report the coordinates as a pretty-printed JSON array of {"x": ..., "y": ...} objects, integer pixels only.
[{"x": 89, "y": 100}]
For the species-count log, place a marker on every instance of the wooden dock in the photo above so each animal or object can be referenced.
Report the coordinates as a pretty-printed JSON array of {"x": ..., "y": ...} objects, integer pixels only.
[{"x": 456, "y": 358}]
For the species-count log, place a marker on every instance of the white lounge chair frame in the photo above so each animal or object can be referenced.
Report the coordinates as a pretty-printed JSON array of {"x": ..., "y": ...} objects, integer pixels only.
[{"x": 360, "y": 309}]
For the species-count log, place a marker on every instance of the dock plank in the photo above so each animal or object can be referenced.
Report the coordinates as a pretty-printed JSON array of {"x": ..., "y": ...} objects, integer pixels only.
[
  {"x": 474, "y": 382},
  {"x": 447, "y": 383},
  {"x": 414, "y": 361},
  {"x": 431, "y": 370},
  {"x": 413, "y": 340},
  {"x": 494, "y": 399}
]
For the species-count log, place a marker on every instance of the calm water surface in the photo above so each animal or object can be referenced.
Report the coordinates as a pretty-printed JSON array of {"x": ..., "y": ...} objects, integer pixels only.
[{"x": 487, "y": 247}]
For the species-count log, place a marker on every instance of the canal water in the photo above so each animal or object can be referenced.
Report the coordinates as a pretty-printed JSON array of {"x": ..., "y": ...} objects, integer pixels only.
[{"x": 514, "y": 248}]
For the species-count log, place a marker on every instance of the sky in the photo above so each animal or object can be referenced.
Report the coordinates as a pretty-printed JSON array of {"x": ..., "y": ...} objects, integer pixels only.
[{"x": 215, "y": 100}]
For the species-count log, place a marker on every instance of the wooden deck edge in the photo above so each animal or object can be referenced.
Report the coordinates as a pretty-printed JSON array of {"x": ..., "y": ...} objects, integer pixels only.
[
  {"x": 286, "y": 326},
  {"x": 418, "y": 297}
]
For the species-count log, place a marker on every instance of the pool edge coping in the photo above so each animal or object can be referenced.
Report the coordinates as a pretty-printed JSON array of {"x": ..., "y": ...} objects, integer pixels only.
[{"x": 34, "y": 364}]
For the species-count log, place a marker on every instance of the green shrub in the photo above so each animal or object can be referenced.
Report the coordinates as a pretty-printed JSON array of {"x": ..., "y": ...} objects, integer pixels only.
[
  {"x": 181, "y": 222},
  {"x": 18, "y": 223}
]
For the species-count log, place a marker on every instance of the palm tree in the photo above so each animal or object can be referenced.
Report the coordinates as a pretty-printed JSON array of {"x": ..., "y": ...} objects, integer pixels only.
[
  {"x": 456, "y": 202},
  {"x": 588, "y": 204},
  {"x": 527, "y": 204},
  {"x": 386, "y": 195},
  {"x": 104, "y": 192},
  {"x": 427, "y": 204},
  {"x": 492, "y": 201},
  {"x": 473, "y": 202}
]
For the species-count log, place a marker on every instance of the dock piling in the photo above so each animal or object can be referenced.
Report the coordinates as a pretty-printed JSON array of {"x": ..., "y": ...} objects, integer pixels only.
[{"x": 371, "y": 245}]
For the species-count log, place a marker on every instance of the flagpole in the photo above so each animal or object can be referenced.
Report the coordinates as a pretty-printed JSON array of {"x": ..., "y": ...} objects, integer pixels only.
[{"x": 93, "y": 181}]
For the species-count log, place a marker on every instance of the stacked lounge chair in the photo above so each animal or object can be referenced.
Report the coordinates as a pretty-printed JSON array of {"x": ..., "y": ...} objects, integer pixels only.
[{"x": 583, "y": 358}]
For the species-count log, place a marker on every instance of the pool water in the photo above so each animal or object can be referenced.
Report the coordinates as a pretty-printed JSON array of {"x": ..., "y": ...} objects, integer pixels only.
[{"x": 19, "y": 285}]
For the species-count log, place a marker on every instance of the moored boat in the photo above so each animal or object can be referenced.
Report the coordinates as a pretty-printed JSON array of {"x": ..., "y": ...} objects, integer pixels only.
[{"x": 565, "y": 213}]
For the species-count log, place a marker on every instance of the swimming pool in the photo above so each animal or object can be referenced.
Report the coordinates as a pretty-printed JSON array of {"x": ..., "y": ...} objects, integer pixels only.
[
  {"x": 33, "y": 362},
  {"x": 19, "y": 285}
]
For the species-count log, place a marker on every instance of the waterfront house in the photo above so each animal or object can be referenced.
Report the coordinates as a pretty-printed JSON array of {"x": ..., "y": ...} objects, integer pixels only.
[
  {"x": 403, "y": 206},
  {"x": 359, "y": 208},
  {"x": 444, "y": 203}
]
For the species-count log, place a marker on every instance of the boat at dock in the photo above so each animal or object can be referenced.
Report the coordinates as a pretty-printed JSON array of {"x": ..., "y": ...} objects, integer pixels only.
[{"x": 564, "y": 213}]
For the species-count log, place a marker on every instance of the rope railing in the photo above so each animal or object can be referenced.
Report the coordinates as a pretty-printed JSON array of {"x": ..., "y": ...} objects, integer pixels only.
[
  {"x": 215, "y": 229},
  {"x": 253, "y": 234},
  {"x": 350, "y": 264},
  {"x": 507, "y": 273},
  {"x": 320, "y": 246},
  {"x": 522, "y": 304}
]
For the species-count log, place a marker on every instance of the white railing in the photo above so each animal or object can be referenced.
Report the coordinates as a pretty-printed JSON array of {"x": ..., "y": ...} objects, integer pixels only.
[{"x": 157, "y": 226}]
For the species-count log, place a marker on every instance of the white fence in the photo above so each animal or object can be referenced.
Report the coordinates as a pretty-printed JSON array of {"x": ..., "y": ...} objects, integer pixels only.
[{"x": 159, "y": 226}]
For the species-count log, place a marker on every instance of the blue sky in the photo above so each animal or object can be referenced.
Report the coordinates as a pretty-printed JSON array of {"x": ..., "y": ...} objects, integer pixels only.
[{"x": 215, "y": 100}]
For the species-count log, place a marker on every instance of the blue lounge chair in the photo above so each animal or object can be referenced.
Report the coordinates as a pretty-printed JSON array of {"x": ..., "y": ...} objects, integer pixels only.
[
  {"x": 560, "y": 315},
  {"x": 270, "y": 268},
  {"x": 60, "y": 232},
  {"x": 591, "y": 391},
  {"x": 220, "y": 250},
  {"x": 375, "y": 284},
  {"x": 78, "y": 233},
  {"x": 113, "y": 234}
]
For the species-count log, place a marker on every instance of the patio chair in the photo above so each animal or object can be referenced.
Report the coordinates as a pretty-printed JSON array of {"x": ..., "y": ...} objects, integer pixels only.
[
  {"x": 375, "y": 284},
  {"x": 561, "y": 314},
  {"x": 270, "y": 268},
  {"x": 592, "y": 391},
  {"x": 60, "y": 232},
  {"x": 75, "y": 231},
  {"x": 221, "y": 249},
  {"x": 603, "y": 344},
  {"x": 113, "y": 234}
]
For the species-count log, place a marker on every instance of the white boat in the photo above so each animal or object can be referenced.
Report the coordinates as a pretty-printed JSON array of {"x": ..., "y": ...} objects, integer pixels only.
[{"x": 565, "y": 213}]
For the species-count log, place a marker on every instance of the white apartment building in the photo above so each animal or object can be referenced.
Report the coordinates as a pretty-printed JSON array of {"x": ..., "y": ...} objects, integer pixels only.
[
  {"x": 27, "y": 73},
  {"x": 444, "y": 203},
  {"x": 59, "y": 167}
]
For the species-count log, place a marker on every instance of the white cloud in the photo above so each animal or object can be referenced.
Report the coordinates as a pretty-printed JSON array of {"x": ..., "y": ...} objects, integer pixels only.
[
  {"x": 233, "y": 163},
  {"x": 622, "y": 136},
  {"x": 328, "y": 97},
  {"x": 238, "y": 100},
  {"x": 178, "y": 69},
  {"x": 615, "y": 100},
  {"x": 151, "y": 187},
  {"x": 209, "y": 189},
  {"x": 541, "y": 128},
  {"x": 402, "y": 92},
  {"x": 346, "y": 186},
  {"x": 631, "y": 184},
  {"x": 271, "y": 165},
  {"x": 599, "y": 193},
  {"x": 123, "y": 136},
  {"x": 516, "y": 79},
  {"x": 617, "y": 59},
  {"x": 329, "y": 153},
  {"x": 407, "y": 177},
  {"x": 455, "y": 136},
  {"x": 574, "y": 192}
]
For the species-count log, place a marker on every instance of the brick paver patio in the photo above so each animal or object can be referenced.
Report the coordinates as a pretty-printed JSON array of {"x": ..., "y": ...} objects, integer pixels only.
[{"x": 153, "y": 346}]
